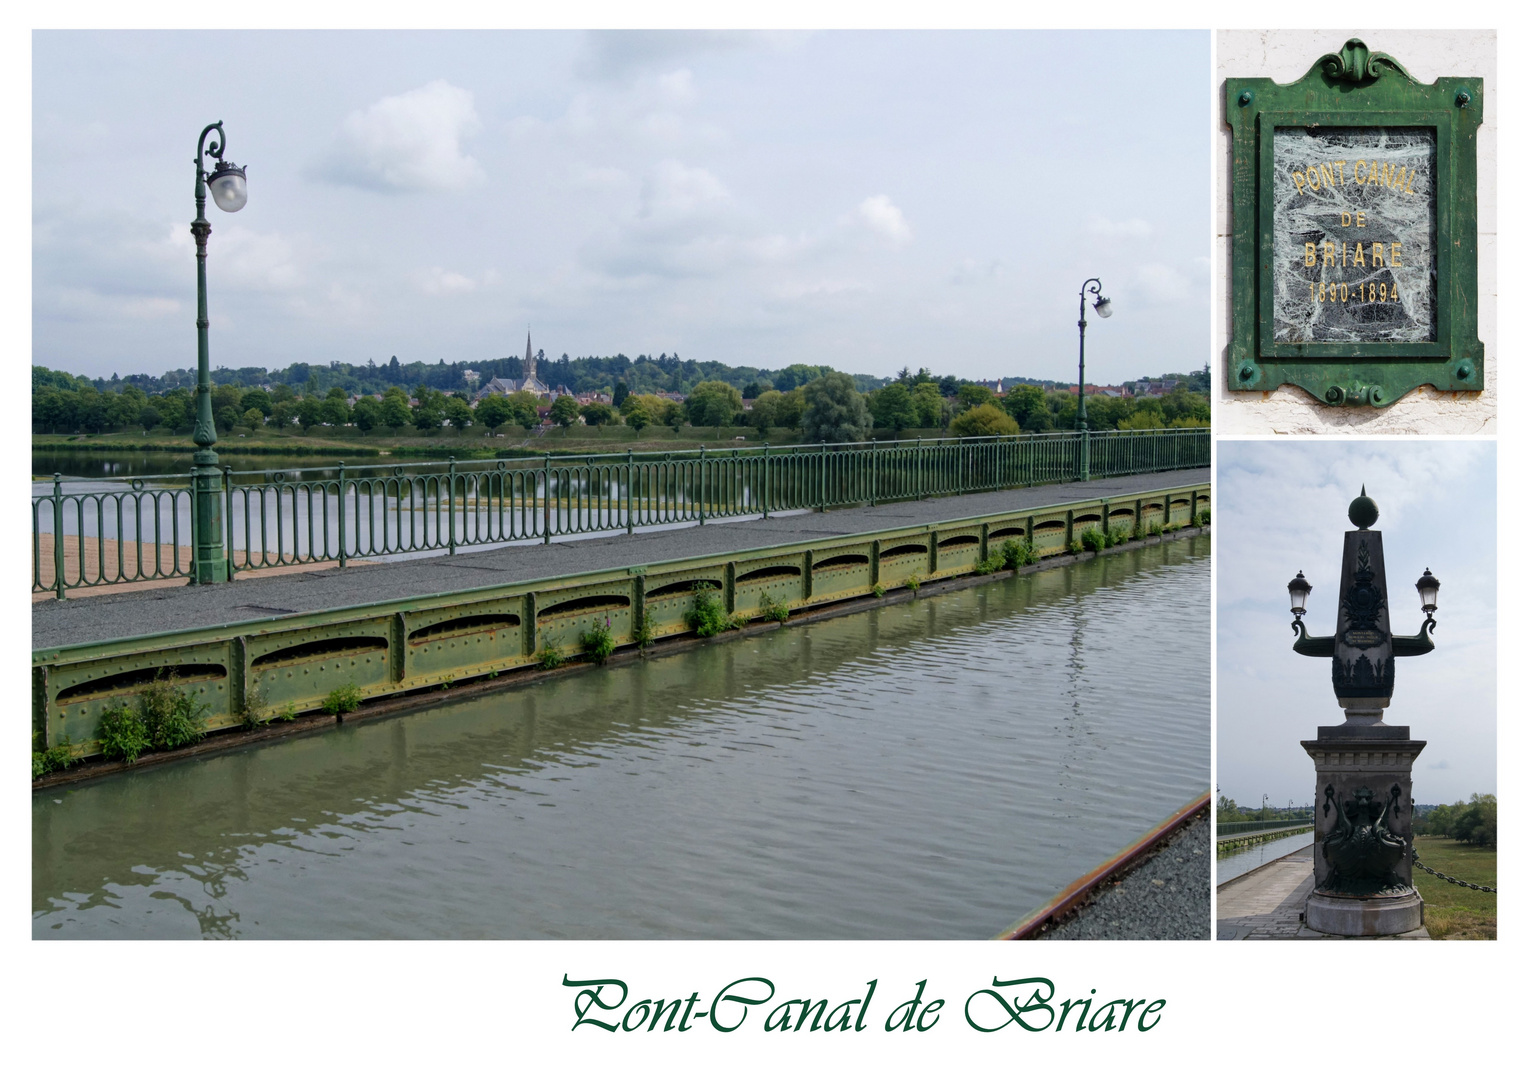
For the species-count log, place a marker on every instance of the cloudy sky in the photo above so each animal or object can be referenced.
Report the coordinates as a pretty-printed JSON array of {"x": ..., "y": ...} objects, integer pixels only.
[
  {"x": 1282, "y": 507},
  {"x": 865, "y": 199}
]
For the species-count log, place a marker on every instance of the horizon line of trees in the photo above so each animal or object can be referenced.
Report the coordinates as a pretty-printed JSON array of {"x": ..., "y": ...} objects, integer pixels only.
[
  {"x": 585, "y": 374},
  {"x": 826, "y": 408}
]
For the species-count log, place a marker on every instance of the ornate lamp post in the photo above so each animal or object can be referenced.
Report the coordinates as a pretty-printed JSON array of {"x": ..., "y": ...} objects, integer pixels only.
[
  {"x": 1363, "y": 766},
  {"x": 229, "y": 191},
  {"x": 1104, "y": 309}
]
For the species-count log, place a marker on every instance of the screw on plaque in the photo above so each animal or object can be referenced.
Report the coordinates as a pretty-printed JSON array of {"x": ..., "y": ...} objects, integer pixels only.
[
  {"x": 1462, "y": 99},
  {"x": 1247, "y": 373},
  {"x": 1246, "y": 98}
]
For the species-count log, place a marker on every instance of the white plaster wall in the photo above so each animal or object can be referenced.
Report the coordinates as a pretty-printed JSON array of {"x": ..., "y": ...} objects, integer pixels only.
[{"x": 1285, "y": 56}]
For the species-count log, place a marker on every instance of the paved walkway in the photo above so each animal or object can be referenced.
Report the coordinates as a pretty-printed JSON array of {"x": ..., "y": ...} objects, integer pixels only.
[
  {"x": 1267, "y": 904},
  {"x": 100, "y": 618}
]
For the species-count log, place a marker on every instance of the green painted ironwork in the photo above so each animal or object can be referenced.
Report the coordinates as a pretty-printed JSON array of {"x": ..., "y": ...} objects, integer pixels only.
[
  {"x": 1356, "y": 89},
  {"x": 344, "y": 513},
  {"x": 397, "y": 645}
]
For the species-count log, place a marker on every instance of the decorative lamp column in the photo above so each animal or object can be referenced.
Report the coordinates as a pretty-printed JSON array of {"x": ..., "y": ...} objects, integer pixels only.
[
  {"x": 230, "y": 192},
  {"x": 1363, "y": 766},
  {"x": 1104, "y": 309}
]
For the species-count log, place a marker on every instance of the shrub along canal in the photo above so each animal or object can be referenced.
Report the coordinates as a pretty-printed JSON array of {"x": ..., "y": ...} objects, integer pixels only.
[{"x": 927, "y": 770}]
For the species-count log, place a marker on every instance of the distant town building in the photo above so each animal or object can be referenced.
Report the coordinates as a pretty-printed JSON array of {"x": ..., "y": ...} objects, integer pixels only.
[{"x": 510, "y": 386}]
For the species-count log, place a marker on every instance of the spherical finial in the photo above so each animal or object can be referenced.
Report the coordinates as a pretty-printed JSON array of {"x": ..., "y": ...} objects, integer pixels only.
[{"x": 1363, "y": 511}]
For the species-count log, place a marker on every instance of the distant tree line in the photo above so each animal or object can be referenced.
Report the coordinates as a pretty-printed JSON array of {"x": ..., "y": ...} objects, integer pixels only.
[
  {"x": 824, "y": 406},
  {"x": 1473, "y": 822},
  {"x": 1227, "y": 810}
]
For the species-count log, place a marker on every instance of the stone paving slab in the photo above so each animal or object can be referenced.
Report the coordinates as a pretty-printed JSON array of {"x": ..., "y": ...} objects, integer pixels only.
[
  {"x": 101, "y": 618},
  {"x": 1267, "y": 905}
]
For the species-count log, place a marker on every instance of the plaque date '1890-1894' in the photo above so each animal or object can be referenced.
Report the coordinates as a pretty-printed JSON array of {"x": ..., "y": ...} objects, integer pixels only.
[{"x": 1354, "y": 234}]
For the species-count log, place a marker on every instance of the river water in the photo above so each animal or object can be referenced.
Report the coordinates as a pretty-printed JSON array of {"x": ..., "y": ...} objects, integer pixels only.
[
  {"x": 1248, "y": 859},
  {"x": 934, "y": 769}
]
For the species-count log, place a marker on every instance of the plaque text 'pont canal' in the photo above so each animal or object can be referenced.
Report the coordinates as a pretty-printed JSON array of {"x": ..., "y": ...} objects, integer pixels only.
[{"x": 1354, "y": 234}]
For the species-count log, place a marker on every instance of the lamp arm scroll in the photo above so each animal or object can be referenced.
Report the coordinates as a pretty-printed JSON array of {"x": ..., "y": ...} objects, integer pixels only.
[
  {"x": 1305, "y": 645},
  {"x": 1419, "y": 643}
]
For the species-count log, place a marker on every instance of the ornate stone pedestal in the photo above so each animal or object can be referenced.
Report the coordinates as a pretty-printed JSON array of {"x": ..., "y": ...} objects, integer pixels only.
[{"x": 1363, "y": 831}]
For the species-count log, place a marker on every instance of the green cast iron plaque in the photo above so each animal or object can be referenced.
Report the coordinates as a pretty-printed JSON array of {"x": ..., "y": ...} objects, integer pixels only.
[{"x": 1353, "y": 235}]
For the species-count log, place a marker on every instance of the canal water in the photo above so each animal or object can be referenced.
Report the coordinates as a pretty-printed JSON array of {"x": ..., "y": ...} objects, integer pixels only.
[
  {"x": 933, "y": 769},
  {"x": 1248, "y": 859}
]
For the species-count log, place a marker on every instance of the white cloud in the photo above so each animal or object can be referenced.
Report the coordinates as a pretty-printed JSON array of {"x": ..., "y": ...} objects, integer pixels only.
[
  {"x": 1132, "y": 229},
  {"x": 1162, "y": 283},
  {"x": 674, "y": 193},
  {"x": 437, "y": 281},
  {"x": 883, "y": 218},
  {"x": 248, "y": 259},
  {"x": 409, "y": 142}
]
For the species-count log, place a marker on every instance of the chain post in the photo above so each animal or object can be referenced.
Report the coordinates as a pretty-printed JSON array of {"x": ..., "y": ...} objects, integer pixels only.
[
  {"x": 631, "y": 481},
  {"x": 546, "y": 500},
  {"x": 766, "y": 480},
  {"x": 702, "y": 483}
]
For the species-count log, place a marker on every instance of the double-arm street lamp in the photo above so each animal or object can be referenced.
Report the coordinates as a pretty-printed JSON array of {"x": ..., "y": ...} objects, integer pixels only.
[
  {"x": 1104, "y": 309},
  {"x": 1363, "y": 767},
  {"x": 229, "y": 191}
]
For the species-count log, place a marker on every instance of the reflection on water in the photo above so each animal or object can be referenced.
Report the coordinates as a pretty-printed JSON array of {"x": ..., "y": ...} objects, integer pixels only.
[
  {"x": 1248, "y": 859},
  {"x": 926, "y": 770}
]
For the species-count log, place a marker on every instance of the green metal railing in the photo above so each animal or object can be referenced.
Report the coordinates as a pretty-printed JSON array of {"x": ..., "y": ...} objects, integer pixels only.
[{"x": 141, "y": 530}]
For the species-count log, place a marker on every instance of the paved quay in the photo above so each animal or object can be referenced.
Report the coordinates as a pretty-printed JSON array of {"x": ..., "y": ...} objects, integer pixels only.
[
  {"x": 101, "y": 618},
  {"x": 1266, "y": 905},
  {"x": 1166, "y": 898}
]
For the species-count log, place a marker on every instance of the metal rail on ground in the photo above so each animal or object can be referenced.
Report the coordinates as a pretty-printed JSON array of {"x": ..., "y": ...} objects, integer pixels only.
[{"x": 1077, "y": 893}]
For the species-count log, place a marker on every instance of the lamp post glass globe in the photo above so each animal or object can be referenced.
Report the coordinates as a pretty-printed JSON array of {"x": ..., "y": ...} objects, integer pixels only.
[
  {"x": 1299, "y": 593},
  {"x": 1103, "y": 307},
  {"x": 230, "y": 190},
  {"x": 1427, "y": 589}
]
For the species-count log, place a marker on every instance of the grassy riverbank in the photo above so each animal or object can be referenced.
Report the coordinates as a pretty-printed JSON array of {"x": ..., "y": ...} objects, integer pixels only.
[{"x": 1453, "y": 912}]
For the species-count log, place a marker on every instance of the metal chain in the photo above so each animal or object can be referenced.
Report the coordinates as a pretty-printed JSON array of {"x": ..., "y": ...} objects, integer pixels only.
[{"x": 1416, "y": 861}]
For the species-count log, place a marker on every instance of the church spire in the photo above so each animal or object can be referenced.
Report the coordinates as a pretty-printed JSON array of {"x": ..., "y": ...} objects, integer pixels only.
[{"x": 529, "y": 371}]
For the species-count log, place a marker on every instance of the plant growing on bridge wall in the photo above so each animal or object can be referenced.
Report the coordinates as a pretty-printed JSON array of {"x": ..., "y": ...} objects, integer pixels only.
[
  {"x": 708, "y": 617},
  {"x": 643, "y": 633},
  {"x": 253, "y": 714},
  {"x": 878, "y": 590},
  {"x": 52, "y": 759},
  {"x": 548, "y": 658},
  {"x": 165, "y": 717},
  {"x": 1202, "y": 518},
  {"x": 122, "y": 734},
  {"x": 598, "y": 642},
  {"x": 1155, "y": 529},
  {"x": 1016, "y": 554},
  {"x": 345, "y": 699},
  {"x": 173, "y": 718},
  {"x": 780, "y": 611},
  {"x": 1093, "y": 540},
  {"x": 1118, "y": 536},
  {"x": 1074, "y": 546},
  {"x": 913, "y": 581}
]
